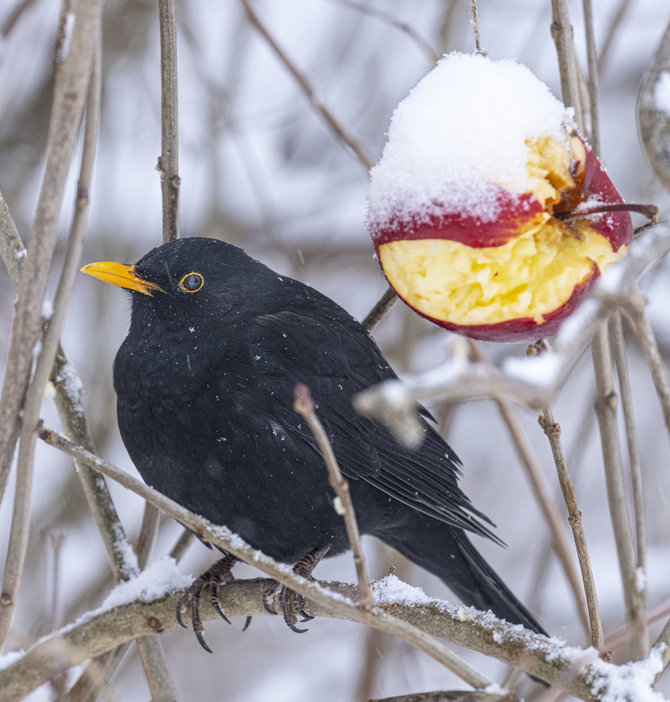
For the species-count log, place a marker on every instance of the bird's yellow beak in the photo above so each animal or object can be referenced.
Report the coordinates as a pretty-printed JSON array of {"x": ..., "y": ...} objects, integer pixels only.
[{"x": 122, "y": 275}]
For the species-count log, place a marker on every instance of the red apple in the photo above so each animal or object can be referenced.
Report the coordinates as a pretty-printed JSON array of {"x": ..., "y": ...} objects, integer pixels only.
[{"x": 518, "y": 276}]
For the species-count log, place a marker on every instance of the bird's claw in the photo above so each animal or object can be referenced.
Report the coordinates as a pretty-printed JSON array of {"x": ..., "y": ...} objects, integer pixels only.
[
  {"x": 290, "y": 601},
  {"x": 201, "y": 641},
  {"x": 246, "y": 624},
  {"x": 218, "y": 574},
  {"x": 267, "y": 607}
]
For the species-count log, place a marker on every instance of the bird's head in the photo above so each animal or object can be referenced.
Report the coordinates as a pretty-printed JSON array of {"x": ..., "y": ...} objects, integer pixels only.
[{"x": 188, "y": 281}]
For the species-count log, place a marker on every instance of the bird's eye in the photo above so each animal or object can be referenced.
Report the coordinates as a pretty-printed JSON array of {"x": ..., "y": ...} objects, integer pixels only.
[{"x": 191, "y": 282}]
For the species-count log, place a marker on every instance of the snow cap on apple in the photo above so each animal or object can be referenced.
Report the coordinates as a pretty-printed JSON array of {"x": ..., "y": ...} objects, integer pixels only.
[{"x": 474, "y": 206}]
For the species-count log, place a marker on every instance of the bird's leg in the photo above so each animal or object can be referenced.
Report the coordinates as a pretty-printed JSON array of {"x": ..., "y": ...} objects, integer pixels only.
[
  {"x": 289, "y": 600},
  {"x": 218, "y": 574}
]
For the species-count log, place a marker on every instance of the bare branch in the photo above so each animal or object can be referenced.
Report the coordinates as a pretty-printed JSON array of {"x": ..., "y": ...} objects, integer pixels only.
[
  {"x": 431, "y": 53},
  {"x": 474, "y": 12},
  {"x": 606, "y": 411},
  {"x": 639, "y": 512},
  {"x": 304, "y": 405},
  {"x": 635, "y": 314},
  {"x": 553, "y": 432},
  {"x": 374, "y": 316},
  {"x": 337, "y": 128},
  {"x": 610, "y": 34},
  {"x": 592, "y": 80},
  {"x": 168, "y": 162},
  {"x": 561, "y": 32}
]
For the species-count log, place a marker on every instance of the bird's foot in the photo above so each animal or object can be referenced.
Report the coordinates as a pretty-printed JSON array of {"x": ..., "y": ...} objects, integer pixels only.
[
  {"x": 219, "y": 574},
  {"x": 291, "y": 602}
]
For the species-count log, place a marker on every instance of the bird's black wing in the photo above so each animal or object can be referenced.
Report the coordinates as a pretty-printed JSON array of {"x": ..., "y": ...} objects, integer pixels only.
[{"x": 336, "y": 358}]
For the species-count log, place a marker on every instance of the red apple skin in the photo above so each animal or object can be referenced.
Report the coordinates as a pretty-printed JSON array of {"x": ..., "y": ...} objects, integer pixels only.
[
  {"x": 616, "y": 227},
  {"x": 517, "y": 215}
]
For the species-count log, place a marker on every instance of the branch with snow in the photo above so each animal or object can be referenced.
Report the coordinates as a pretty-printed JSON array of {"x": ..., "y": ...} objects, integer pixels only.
[
  {"x": 400, "y": 610},
  {"x": 146, "y": 605}
]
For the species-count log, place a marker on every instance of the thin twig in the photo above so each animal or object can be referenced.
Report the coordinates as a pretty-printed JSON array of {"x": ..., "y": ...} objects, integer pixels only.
[
  {"x": 561, "y": 32},
  {"x": 431, "y": 53},
  {"x": 337, "y": 128},
  {"x": 592, "y": 80},
  {"x": 553, "y": 432},
  {"x": 637, "y": 318},
  {"x": 222, "y": 537},
  {"x": 168, "y": 163},
  {"x": 663, "y": 640},
  {"x": 12, "y": 250},
  {"x": 639, "y": 511},
  {"x": 147, "y": 535},
  {"x": 375, "y": 315},
  {"x": 615, "y": 24},
  {"x": 304, "y": 405},
  {"x": 183, "y": 542},
  {"x": 474, "y": 13},
  {"x": 606, "y": 411}
]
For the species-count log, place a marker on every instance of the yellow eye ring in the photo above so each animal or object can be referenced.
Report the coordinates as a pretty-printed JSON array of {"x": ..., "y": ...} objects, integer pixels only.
[{"x": 191, "y": 282}]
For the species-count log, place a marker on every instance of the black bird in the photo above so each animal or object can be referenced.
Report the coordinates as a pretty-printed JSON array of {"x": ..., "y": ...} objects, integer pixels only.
[{"x": 205, "y": 381}]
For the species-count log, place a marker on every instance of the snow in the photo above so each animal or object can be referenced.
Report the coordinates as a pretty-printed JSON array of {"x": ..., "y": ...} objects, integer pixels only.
[
  {"x": 392, "y": 590},
  {"x": 662, "y": 93},
  {"x": 640, "y": 579},
  {"x": 124, "y": 548},
  {"x": 72, "y": 385},
  {"x": 160, "y": 578},
  {"x": 444, "y": 151},
  {"x": 7, "y": 659},
  {"x": 63, "y": 48},
  {"x": 630, "y": 682},
  {"x": 542, "y": 370},
  {"x": 47, "y": 308}
]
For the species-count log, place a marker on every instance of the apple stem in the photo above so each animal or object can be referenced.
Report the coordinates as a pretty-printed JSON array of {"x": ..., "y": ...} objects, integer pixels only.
[{"x": 649, "y": 211}]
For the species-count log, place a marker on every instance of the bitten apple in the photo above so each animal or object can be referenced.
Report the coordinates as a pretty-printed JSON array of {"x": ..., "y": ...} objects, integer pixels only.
[{"x": 512, "y": 261}]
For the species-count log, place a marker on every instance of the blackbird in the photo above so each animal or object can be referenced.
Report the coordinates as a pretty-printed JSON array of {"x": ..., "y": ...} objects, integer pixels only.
[{"x": 205, "y": 381}]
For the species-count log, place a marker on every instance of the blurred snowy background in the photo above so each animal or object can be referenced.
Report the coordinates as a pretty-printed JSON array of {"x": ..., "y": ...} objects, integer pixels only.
[{"x": 260, "y": 168}]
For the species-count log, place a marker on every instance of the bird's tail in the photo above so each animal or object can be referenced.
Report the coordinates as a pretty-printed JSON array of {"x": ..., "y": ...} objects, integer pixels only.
[{"x": 448, "y": 553}]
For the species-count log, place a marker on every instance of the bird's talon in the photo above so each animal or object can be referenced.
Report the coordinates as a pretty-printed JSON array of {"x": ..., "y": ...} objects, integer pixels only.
[
  {"x": 267, "y": 608},
  {"x": 246, "y": 624},
  {"x": 219, "y": 611},
  {"x": 201, "y": 641},
  {"x": 179, "y": 619},
  {"x": 305, "y": 617},
  {"x": 292, "y": 627}
]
